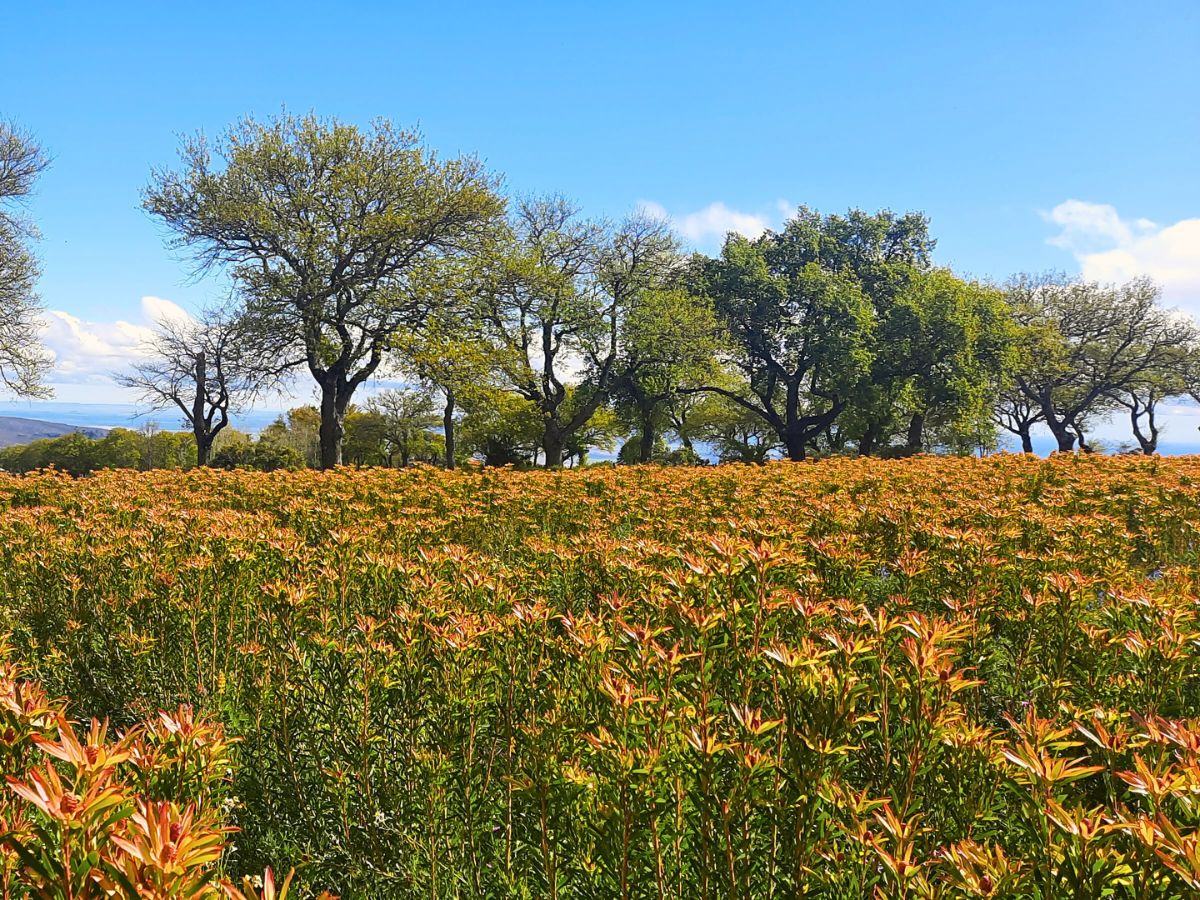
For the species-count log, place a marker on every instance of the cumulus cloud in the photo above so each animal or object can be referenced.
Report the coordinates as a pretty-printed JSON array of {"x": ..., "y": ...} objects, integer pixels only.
[
  {"x": 1110, "y": 248},
  {"x": 88, "y": 352},
  {"x": 708, "y": 226}
]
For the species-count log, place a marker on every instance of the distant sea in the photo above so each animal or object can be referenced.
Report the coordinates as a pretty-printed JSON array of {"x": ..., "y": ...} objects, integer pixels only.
[
  {"x": 121, "y": 415},
  {"x": 1181, "y": 432}
]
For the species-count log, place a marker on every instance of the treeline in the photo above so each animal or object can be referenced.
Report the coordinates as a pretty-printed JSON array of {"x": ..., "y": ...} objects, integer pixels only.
[
  {"x": 532, "y": 333},
  {"x": 120, "y": 448}
]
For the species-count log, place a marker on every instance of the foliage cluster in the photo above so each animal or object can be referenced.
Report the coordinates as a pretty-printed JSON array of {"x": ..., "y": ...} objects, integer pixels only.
[
  {"x": 121, "y": 448},
  {"x": 88, "y": 815}
]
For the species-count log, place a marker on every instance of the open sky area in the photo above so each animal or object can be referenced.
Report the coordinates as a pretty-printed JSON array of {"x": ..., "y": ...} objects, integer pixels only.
[{"x": 1035, "y": 135}]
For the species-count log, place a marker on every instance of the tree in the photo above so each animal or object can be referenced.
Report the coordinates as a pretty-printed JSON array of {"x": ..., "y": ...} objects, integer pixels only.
[
  {"x": 959, "y": 341},
  {"x": 553, "y": 303},
  {"x": 670, "y": 343},
  {"x": 449, "y": 355},
  {"x": 300, "y": 431},
  {"x": 1088, "y": 343},
  {"x": 23, "y": 360},
  {"x": 736, "y": 432},
  {"x": 1141, "y": 397},
  {"x": 501, "y": 429},
  {"x": 407, "y": 418},
  {"x": 600, "y": 432},
  {"x": 1017, "y": 413},
  {"x": 264, "y": 455},
  {"x": 336, "y": 238},
  {"x": 205, "y": 369},
  {"x": 801, "y": 335}
]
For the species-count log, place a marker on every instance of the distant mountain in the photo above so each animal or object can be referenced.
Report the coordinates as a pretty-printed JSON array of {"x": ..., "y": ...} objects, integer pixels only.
[{"x": 14, "y": 430}]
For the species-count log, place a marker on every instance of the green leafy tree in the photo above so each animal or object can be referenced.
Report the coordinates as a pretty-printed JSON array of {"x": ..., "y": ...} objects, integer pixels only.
[
  {"x": 336, "y": 238},
  {"x": 884, "y": 253},
  {"x": 960, "y": 342},
  {"x": 406, "y": 419},
  {"x": 121, "y": 448},
  {"x": 501, "y": 429},
  {"x": 670, "y": 342},
  {"x": 553, "y": 302},
  {"x": 298, "y": 430},
  {"x": 736, "y": 432},
  {"x": 366, "y": 439},
  {"x": 801, "y": 335},
  {"x": 449, "y": 356}
]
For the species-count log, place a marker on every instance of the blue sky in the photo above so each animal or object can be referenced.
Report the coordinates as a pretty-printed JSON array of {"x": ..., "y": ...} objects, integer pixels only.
[{"x": 1035, "y": 135}]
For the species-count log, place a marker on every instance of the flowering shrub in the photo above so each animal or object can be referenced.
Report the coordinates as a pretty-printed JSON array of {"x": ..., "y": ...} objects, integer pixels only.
[
  {"x": 93, "y": 816},
  {"x": 919, "y": 678}
]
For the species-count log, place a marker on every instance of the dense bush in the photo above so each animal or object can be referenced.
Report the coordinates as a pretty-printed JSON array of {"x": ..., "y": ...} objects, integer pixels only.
[
  {"x": 262, "y": 455},
  {"x": 926, "y": 677},
  {"x": 120, "y": 448}
]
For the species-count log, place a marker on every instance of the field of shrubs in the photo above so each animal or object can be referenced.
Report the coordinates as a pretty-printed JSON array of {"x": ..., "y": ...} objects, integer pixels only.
[{"x": 918, "y": 678}]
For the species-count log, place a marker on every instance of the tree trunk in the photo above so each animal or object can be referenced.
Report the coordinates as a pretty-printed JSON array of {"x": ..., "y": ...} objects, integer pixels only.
[
  {"x": 552, "y": 447},
  {"x": 646, "y": 446},
  {"x": 916, "y": 433},
  {"x": 793, "y": 435},
  {"x": 1026, "y": 438},
  {"x": 1062, "y": 434},
  {"x": 448, "y": 428},
  {"x": 797, "y": 447},
  {"x": 1148, "y": 442},
  {"x": 333, "y": 424},
  {"x": 199, "y": 428},
  {"x": 870, "y": 439}
]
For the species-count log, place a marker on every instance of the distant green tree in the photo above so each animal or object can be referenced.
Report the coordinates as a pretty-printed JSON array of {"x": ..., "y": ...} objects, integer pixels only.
[
  {"x": 553, "y": 304},
  {"x": 949, "y": 345},
  {"x": 298, "y": 430},
  {"x": 736, "y": 433},
  {"x": 261, "y": 455},
  {"x": 406, "y": 420},
  {"x": 670, "y": 343},
  {"x": 121, "y": 448},
  {"x": 501, "y": 429}
]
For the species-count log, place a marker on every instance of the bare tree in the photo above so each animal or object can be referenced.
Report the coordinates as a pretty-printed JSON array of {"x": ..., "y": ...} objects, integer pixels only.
[
  {"x": 205, "y": 369},
  {"x": 1016, "y": 413},
  {"x": 23, "y": 360}
]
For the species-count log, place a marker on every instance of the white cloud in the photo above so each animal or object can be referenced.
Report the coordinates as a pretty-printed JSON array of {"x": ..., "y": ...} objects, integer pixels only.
[
  {"x": 1110, "y": 248},
  {"x": 708, "y": 226},
  {"x": 87, "y": 353}
]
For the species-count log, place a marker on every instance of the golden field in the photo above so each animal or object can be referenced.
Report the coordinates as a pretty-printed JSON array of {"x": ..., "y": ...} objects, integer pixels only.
[{"x": 938, "y": 677}]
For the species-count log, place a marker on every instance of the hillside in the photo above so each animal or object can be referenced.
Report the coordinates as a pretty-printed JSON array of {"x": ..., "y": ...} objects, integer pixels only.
[{"x": 15, "y": 430}]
